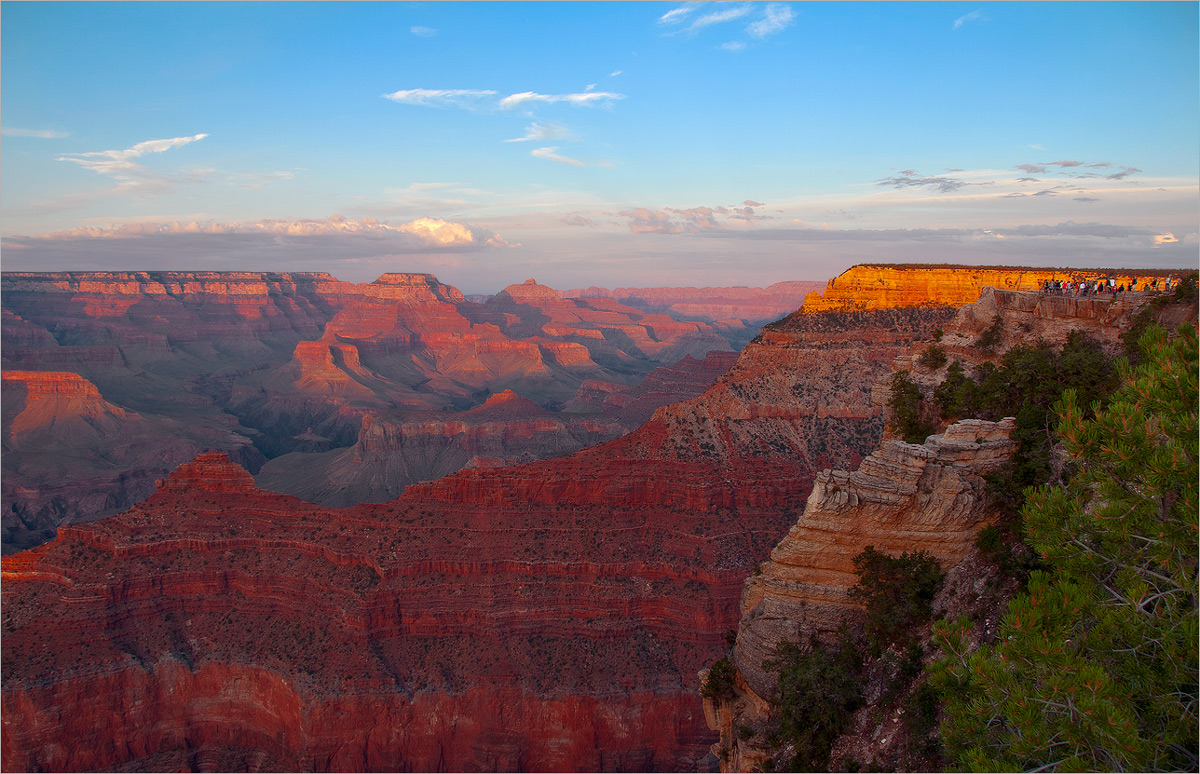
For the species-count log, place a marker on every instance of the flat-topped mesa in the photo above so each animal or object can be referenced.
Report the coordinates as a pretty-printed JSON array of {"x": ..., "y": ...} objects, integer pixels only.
[
  {"x": 880, "y": 286},
  {"x": 531, "y": 293},
  {"x": 61, "y": 403},
  {"x": 413, "y": 288},
  {"x": 50, "y": 384},
  {"x": 169, "y": 283},
  {"x": 208, "y": 472}
]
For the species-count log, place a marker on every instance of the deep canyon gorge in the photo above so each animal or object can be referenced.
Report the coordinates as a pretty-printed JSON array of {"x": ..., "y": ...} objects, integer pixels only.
[{"x": 383, "y": 527}]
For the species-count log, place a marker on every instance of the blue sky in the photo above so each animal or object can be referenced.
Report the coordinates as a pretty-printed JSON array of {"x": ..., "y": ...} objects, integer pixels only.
[{"x": 611, "y": 144}]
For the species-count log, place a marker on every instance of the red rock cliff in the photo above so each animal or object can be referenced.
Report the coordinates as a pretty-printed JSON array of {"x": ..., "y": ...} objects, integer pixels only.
[
  {"x": 549, "y": 616},
  {"x": 262, "y": 365},
  {"x": 904, "y": 497}
]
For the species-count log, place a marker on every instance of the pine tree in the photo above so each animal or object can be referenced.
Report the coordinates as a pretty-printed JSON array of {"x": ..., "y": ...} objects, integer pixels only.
[{"x": 1096, "y": 663}]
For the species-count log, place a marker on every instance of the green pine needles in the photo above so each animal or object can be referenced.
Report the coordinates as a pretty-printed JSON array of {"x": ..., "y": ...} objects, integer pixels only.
[
  {"x": 819, "y": 689},
  {"x": 896, "y": 592},
  {"x": 1095, "y": 667},
  {"x": 908, "y": 417}
]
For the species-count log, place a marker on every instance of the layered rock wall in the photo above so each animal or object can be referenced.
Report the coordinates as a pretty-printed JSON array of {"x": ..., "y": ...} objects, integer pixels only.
[
  {"x": 546, "y": 616},
  {"x": 903, "y": 498},
  {"x": 878, "y": 286},
  {"x": 266, "y": 365}
]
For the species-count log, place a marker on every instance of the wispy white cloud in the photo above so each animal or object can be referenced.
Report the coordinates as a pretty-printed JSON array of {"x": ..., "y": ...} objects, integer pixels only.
[
  {"x": 439, "y": 97},
  {"x": 113, "y": 162},
  {"x": 551, "y": 154},
  {"x": 423, "y": 32},
  {"x": 579, "y": 98},
  {"x": 678, "y": 15},
  {"x": 777, "y": 17},
  {"x": 970, "y": 17},
  {"x": 472, "y": 99},
  {"x": 736, "y": 46},
  {"x": 132, "y": 176},
  {"x": 539, "y": 132},
  {"x": 41, "y": 134},
  {"x": 719, "y": 17}
]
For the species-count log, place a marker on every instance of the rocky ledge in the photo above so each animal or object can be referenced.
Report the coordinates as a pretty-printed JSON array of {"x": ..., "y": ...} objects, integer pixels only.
[{"x": 903, "y": 497}]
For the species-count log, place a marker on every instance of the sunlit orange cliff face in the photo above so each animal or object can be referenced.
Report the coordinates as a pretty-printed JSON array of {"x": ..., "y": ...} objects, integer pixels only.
[{"x": 877, "y": 286}]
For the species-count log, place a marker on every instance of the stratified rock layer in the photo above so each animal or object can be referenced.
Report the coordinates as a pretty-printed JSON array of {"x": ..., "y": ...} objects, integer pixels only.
[
  {"x": 67, "y": 450},
  {"x": 879, "y": 286},
  {"x": 550, "y": 616},
  {"x": 395, "y": 449},
  {"x": 266, "y": 365},
  {"x": 903, "y": 498}
]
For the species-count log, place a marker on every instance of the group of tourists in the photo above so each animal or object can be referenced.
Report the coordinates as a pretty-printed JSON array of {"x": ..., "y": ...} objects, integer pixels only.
[{"x": 1107, "y": 285}]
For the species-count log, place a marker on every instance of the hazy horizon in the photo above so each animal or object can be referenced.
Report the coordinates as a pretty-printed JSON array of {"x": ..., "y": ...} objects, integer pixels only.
[{"x": 608, "y": 144}]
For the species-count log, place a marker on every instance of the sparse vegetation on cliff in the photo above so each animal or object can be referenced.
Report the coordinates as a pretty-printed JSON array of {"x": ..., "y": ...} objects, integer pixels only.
[
  {"x": 1026, "y": 385},
  {"x": 896, "y": 592},
  {"x": 909, "y": 420},
  {"x": 1095, "y": 666},
  {"x": 934, "y": 357},
  {"x": 818, "y": 689},
  {"x": 718, "y": 686},
  {"x": 991, "y": 338}
]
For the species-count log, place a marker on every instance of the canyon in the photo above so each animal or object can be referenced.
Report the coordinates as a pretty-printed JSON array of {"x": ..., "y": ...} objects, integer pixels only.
[
  {"x": 277, "y": 367},
  {"x": 549, "y": 615}
]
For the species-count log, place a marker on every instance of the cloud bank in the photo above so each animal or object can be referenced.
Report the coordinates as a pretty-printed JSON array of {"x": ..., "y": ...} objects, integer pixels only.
[
  {"x": 421, "y": 233},
  {"x": 671, "y": 220}
]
